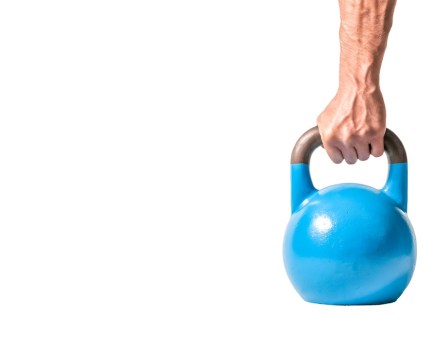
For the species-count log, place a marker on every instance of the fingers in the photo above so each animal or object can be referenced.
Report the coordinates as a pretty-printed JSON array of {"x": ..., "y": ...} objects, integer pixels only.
[
  {"x": 347, "y": 144},
  {"x": 340, "y": 152},
  {"x": 377, "y": 147},
  {"x": 335, "y": 154},
  {"x": 350, "y": 155},
  {"x": 351, "y": 152},
  {"x": 363, "y": 151}
]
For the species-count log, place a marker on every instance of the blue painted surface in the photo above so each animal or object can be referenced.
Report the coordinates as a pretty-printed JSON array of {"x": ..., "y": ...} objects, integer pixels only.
[{"x": 349, "y": 244}]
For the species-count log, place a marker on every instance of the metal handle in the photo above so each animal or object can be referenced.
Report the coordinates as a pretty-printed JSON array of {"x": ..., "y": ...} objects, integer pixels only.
[
  {"x": 310, "y": 140},
  {"x": 396, "y": 186}
]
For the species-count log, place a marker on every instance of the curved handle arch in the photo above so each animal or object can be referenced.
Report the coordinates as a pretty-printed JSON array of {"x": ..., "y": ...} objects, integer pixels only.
[
  {"x": 396, "y": 186},
  {"x": 311, "y": 139}
]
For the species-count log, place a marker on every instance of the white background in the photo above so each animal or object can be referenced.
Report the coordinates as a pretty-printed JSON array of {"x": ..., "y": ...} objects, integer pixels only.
[{"x": 144, "y": 173}]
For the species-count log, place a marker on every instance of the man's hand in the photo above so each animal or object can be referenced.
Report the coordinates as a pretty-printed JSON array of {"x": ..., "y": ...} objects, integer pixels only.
[{"x": 353, "y": 125}]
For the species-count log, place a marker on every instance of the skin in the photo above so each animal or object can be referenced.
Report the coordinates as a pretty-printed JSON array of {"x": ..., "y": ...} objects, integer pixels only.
[{"x": 352, "y": 126}]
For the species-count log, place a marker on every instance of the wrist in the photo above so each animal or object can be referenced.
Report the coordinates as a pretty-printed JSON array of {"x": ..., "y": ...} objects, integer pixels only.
[
  {"x": 350, "y": 88},
  {"x": 360, "y": 80},
  {"x": 360, "y": 71}
]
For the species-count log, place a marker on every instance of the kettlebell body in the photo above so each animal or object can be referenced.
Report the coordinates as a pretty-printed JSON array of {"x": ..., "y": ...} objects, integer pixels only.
[{"x": 349, "y": 244}]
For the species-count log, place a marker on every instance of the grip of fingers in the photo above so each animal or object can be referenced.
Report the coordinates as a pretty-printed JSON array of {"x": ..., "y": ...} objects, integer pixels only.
[{"x": 311, "y": 139}]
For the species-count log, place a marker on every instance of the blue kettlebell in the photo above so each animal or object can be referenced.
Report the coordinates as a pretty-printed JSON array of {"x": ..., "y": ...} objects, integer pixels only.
[{"x": 349, "y": 244}]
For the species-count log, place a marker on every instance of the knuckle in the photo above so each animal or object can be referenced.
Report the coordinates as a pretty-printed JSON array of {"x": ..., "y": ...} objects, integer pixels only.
[
  {"x": 328, "y": 138},
  {"x": 347, "y": 138}
]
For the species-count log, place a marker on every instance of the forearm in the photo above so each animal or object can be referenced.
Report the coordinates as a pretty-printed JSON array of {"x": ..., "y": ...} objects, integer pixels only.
[
  {"x": 364, "y": 29},
  {"x": 352, "y": 126}
]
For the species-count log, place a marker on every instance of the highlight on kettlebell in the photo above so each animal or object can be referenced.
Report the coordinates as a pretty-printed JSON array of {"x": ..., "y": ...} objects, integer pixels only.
[{"x": 349, "y": 244}]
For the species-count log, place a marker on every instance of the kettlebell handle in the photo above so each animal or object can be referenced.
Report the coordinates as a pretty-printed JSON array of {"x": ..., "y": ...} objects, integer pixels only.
[
  {"x": 310, "y": 140},
  {"x": 396, "y": 186}
]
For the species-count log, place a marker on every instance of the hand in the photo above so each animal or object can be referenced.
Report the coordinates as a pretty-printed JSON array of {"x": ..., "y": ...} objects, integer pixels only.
[{"x": 352, "y": 126}]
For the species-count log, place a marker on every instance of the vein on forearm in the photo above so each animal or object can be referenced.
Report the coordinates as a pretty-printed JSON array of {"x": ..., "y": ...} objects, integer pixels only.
[{"x": 364, "y": 29}]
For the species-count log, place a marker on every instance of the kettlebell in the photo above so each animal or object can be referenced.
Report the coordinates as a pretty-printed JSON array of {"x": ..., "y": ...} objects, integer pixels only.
[{"x": 349, "y": 244}]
